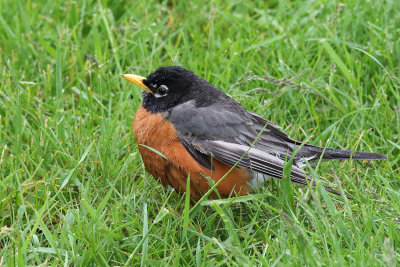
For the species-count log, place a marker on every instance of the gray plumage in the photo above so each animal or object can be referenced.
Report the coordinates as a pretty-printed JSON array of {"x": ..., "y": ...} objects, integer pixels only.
[{"x": 226, "y": 131}]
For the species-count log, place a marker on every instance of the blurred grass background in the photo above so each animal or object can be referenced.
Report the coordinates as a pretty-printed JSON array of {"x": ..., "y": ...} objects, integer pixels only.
[{"x": 73, "y": 190}]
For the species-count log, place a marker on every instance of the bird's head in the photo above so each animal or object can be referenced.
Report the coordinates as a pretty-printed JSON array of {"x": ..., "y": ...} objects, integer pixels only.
[{"x": 169, "y": 86}]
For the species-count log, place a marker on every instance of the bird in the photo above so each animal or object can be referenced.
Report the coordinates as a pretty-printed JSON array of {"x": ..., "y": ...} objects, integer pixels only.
[{"x": 187, "y": 127}]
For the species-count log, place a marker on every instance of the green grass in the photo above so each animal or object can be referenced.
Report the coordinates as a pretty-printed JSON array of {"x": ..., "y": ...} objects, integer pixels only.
[{"x": 73, "y": 189}]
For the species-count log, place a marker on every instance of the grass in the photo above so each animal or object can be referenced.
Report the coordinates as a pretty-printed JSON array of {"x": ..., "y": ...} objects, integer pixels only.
[{"x": 73, "y": 189}]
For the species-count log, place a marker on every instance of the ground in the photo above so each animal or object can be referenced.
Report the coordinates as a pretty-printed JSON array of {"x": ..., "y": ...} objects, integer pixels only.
[{"x": 73, "y": 189}]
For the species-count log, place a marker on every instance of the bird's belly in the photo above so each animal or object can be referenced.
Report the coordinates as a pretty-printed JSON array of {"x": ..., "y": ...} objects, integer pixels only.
[
  {"x": 258, "y": 179},
  {"x": 175, "y": 163}
]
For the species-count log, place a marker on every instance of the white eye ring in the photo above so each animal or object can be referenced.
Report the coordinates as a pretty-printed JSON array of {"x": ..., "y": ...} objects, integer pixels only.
[
  {"x": 162, "y": 90},
  {"x": 158, "y": 95}
]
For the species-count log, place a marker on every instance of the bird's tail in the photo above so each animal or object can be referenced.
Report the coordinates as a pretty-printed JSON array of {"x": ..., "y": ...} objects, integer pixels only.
[{"x": 329, "y": 153}]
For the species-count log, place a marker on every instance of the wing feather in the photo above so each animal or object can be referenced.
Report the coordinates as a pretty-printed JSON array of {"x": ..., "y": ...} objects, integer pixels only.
[{"x": 251, "y": 158}]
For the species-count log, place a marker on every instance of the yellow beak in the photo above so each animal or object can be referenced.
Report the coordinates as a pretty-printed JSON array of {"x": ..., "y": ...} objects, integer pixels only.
[{"x": 138, "y": 80}]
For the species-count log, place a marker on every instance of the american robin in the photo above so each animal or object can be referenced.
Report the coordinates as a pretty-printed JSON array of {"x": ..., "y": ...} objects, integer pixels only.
[{"x": 186, "y": 126}]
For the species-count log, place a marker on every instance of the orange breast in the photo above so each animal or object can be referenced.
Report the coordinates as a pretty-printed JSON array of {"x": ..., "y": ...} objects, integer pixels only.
[{"x": 155, "y": 132}]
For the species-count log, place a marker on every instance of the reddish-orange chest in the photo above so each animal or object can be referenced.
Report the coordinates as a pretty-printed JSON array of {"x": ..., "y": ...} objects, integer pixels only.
[{"x": 153, "y": 131}]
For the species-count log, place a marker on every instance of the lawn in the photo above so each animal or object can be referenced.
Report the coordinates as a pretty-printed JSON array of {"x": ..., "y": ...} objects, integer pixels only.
[{"x": 73, "y": 189}]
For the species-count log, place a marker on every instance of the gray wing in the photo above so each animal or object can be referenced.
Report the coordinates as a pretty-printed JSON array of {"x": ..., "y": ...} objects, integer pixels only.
[
  {"x": 250, "y": 158},
  {"x": 231, "y": 123},
  {"x": 227, "y": 132}
]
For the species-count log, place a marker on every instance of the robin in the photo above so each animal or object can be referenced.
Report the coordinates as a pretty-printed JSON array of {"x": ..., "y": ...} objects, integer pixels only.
[{"x": 186, "y": 126}]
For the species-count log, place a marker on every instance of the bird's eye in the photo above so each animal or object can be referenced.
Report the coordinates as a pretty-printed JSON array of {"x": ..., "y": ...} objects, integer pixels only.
[{"x": 162, "y": 90}]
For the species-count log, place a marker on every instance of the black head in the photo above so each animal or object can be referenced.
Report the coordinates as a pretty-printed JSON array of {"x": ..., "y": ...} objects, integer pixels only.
[{"x": 169, "y": 86}]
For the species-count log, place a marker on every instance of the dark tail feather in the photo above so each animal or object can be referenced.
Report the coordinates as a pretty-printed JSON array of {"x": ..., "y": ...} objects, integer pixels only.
[{"x": 329, "y": 153}]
